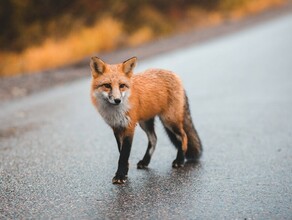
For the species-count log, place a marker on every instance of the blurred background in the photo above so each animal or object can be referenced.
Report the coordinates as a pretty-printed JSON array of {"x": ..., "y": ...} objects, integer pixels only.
[{"x": 43, "y": 34}]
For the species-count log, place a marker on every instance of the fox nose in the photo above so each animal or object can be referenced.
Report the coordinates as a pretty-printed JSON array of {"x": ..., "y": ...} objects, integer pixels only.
[{"x": 117, "y": 101}]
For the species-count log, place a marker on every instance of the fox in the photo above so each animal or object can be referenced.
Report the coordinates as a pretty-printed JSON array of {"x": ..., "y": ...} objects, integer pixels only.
[{"x": 125, "y": 99}]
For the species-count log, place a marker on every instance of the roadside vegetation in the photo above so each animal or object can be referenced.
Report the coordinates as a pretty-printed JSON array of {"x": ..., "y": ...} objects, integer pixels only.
[{"x": 38, "y": 35}]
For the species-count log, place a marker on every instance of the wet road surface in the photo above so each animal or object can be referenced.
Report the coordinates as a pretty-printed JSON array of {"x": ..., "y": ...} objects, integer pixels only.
[{"x": 57, "y": 156}]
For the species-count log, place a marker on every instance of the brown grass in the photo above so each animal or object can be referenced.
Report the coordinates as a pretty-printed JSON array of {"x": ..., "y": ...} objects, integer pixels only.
[
  {"x": 108, "y": 34},
  {"x": 141, "y": 36},
  {"x": 252, "y": 7},
  {"x": 102, "y": 36}
]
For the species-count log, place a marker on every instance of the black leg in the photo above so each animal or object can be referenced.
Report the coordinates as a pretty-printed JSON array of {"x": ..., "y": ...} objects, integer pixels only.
[
  {"x": 148, "y": 127},
  {"x": 173, "y": 136},
  {"x": 180, "y": 159},
  {"x": 123, "y": 167},
  {"x": 118, "y": 137},
  {"x": 143, "y": 164}
]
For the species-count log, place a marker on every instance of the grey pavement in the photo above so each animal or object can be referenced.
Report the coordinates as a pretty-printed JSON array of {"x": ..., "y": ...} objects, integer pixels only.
[{"x": 57, "y": 156}]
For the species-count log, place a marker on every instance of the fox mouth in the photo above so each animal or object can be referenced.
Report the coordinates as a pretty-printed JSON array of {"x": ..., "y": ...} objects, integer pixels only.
[
  {"x": 115, "y": 102},
  {"x": 110, "y": 101}
]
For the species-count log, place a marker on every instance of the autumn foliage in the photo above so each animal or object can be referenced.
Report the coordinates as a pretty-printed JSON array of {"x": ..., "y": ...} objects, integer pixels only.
[{"x": 37, "y": 35}]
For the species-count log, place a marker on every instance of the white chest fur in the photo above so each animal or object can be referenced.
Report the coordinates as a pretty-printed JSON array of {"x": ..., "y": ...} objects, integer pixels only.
[{"x": 114, "y": 115}]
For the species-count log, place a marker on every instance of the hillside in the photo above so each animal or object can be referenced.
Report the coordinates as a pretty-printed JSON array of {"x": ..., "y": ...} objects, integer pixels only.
[{"x": 47, "y": 34}]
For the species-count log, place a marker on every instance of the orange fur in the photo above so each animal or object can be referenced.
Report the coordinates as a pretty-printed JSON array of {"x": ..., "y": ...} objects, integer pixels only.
[
  {"x": 124, "y": 99},
  {"x": 153, "y": 92}
]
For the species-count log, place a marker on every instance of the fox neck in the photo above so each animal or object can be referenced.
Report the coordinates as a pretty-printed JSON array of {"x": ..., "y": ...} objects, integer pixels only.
[{"x": 115, "y": 115}]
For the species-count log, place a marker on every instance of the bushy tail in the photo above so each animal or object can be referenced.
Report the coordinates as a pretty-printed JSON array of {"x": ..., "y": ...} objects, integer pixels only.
[{"x": 195, "y": 149}]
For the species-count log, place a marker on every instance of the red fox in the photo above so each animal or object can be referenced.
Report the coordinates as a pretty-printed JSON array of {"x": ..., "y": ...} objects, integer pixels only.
[{"x": 124, "y": 99}]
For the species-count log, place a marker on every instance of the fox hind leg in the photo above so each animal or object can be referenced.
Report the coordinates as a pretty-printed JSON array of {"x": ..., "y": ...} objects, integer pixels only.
[
  {"x": 178, "y": 137},
  {"x": 148, "y": 127}
]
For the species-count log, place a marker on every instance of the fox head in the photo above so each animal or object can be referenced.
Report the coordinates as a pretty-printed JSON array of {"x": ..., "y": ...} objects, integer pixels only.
[{"x": 111, "y": 83}]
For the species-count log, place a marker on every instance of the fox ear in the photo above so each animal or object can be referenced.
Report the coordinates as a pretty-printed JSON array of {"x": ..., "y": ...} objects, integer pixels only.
[
  {"x": 97, "y": 66},
  {"x": 129, "y": 65}
]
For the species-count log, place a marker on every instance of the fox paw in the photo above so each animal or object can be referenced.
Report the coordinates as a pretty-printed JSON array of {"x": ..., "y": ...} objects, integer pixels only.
[
  {"x": 177, "y": 164},
  {"x": 142, "y": 165},
  {"x": 119, "y": 179}
]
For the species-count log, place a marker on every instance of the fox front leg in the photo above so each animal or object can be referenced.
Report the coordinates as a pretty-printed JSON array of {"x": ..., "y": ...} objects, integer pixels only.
[
  {"x": 119, "y": 138},
  {"x": 123, "y": 165}
]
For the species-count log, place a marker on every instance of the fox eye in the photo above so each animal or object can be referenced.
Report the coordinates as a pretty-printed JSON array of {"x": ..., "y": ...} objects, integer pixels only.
[
  {"x": 122, "y": 86},
  {"x": 107, "y": 85}
]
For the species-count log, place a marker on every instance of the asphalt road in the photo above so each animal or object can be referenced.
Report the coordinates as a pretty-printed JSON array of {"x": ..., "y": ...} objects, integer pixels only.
[{"x": 57, "y": 156}]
